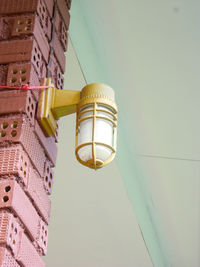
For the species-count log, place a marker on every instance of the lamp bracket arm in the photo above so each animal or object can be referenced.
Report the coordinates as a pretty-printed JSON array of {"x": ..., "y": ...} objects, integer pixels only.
[{"x": 64, "y": 102}]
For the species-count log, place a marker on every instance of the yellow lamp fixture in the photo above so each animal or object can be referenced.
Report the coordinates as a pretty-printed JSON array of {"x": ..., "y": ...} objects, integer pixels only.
[{"x": 96, "y": 120}]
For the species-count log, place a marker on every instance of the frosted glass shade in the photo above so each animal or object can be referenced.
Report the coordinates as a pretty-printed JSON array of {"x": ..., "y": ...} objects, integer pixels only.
[{"x": 95, "y": 134}]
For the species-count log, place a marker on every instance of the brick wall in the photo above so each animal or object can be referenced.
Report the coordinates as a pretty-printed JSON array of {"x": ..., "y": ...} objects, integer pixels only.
[{"x": 33, "y": 39}]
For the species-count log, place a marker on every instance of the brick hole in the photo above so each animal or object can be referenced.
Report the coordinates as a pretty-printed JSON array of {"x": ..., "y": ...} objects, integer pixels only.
[
  {"x": 38, "y": 64},
  {"x": 31, "y": 114},
  {"x": 5, "y": 199},
  {"x": 43, "y": 228},
  {"x": 47, "y": 22},
  {"x": 38, "y": 55},
  {"x": 51, "y": 176},
  {"x": 23, "y": 71},
  {"x": 28, "y": 108},
  {"x": 46, "y": 178},
  {"x": 18, "y": 29},
  {"x": 32, "y": 106},
  {"x": 24, "y": 173},
  {"x": 4, "y": 125},
  {"x": 47, "y": 169},
  {"x": 15, "y": 230},
  {"x": 7, "y": 188},
  {"x": 2, "y": 134},
  {"x": 45, "y": 232},
  {"x": 20, "y": 22},
  {"x": 13, "y": 133},
  {"x": 12, "y": 226},
  {"x": 29, "y": 99},
  {"x": 13, "y": 80},
  {"x": 45, "y": 242},
  {"x": 27, "y": 28},
  {"x": 42, "y": 238},
  {"x": 49, "y": 184},
  {"x": 29, "y": 21},
  {"x": 14, "y": 124},
  {"x": 21, "y": 169},
  {"x": 10, "y": 237},
  {"x": 23, "y": 79},
  {"x": 34, "y": 58},
  {"x": 35, "y": 49},
  {"x": 14, "y": 71},
  {"x": 25, "y": 164},
  {"x": 13, "y": 243}
]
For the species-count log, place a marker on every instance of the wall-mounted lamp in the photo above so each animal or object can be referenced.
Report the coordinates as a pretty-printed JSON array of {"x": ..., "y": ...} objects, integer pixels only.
[{"x": 96, "y": 120}]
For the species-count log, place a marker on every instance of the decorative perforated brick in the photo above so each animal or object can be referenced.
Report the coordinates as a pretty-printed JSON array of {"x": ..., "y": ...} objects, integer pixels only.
[
  {"x": 18, "y": 6},
  {"x": 56, "y": 134},
  {"x": 61, "y": 30},
  {"x": 38, "y": 194},
  {"x": 64, "y": 36},
  {"x": 11, "y": 195},
  {"x": 19, "y": 74},
  {"x": 12, "y": 235},
  {"x": 37, "y": 58},
  {"x": 55, "y": 73},
  {"x": 68, "y": 2},
  {"x": 27, "y": 255},
  {"x": 48, "y": 143},
  {"x": 43, "y": 238},
  {"x": 5, "y": 27},
  {"x": 59, "y": 52},
  {"x": 64, "y": 12},
  {"x": 14, "y": 161},
  {"x": 23, "y": 25},
  {"x": 10, "y": 230},
  {"x": 20, "y": 131},
  {"x": 45, "y": 21},
  {"x": 3, "y": 74},
  {"x": 48, "y": 178},
  {"x": 6, "y": 258},
  {"x": 16, "y": 50}
]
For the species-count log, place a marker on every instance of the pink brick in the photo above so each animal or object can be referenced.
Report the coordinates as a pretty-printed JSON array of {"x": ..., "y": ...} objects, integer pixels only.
[
  {"x": 12, "y": 235},
  {"x": 27, "y": 255},
  {"x": 6, "y": 258},
  {"x": 10, "y": 232},
  {"x": 25, "y": 6},
  {"x": 55, "y": 73},
  {"x": 20, "y": 131},
  {"x": 29, "y": 25},
  {"x": 11, "y": 195},
  {"x": 48, "y": 178},
  {"x": 48, "y": 143},
  {"x": 59, "y": 53},
  {"x": 37, "y": 193},
  {"x": 68, "y": 2},
  {"x": 12, "y": 51},
  {"x": 61, "y": 30},
  {"x": 18, "y": 6},
  {"x": 23, "y": 73},
  {"x": 64, "y": 12},
  {"x": 3, "y": 74},
  {"x": 14, "y": 161}
]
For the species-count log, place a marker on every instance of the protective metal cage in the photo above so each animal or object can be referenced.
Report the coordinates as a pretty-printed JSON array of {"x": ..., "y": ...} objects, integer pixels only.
[{"x": 96, "y": 111}]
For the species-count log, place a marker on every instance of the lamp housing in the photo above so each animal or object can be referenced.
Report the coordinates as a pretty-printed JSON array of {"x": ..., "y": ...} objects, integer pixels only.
[{"x": 96, "y": 120}]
